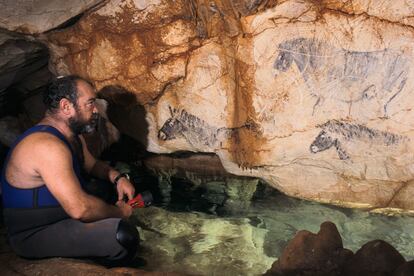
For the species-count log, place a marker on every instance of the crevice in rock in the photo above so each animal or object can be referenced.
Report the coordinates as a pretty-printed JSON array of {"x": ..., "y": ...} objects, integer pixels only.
[
  {"x": 72, "y": 21},
  {"x": 397, "y": 193},
  {"x": 367, "y": 15},
  {"x": 23, "y": 71},
  {"x": 67, "y": 24}
]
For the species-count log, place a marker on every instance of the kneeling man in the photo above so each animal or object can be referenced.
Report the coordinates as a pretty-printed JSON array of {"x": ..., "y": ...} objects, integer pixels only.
[{"x": 46, "y": 210}]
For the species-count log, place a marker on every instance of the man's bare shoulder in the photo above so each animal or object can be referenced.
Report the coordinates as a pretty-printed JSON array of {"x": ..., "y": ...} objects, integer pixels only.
[
  {"x": 41, "y": 144},
  {"x": 35, "y": 155}
]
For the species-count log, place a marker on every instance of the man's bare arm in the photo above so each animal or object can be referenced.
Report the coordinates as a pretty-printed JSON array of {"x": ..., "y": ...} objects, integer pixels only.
[{"x": 55, "y": 168}]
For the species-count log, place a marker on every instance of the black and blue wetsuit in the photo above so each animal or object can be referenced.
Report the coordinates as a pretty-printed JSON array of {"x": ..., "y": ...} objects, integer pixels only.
[
  {"x": 26, "y": 208},
  {"x": 39, "y": 227}
]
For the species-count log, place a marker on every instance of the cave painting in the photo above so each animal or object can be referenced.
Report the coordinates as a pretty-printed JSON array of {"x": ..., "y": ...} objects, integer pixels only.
[
  {"x": 195, "y": 130},
  {"x": 335, "y": 133},
  {"x": 343, "y": 75}
]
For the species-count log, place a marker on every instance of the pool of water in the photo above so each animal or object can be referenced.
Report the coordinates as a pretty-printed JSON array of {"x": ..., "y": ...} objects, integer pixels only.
[
  {"x": 247, "y": 243},
  {"x": 283, "y": 216}
]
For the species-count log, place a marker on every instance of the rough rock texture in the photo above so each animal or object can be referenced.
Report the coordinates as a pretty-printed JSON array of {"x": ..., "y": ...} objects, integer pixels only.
[
  {"x": 313, "y": 254},
  {"x": 200, "y": 244},
  {"x": 323, "y": 254},
  {"x": 374, "y": 258},
  {"x": 405, "y": 270},
  {"x": 312, "y": 96},
  {"x": 38, "y": 16},
  {"x": 10, "y": 129},
  {"x": 20, "y": 57}
]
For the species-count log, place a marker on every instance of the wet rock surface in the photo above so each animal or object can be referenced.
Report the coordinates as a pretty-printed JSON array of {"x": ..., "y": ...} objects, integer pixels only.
[
  {"x": 374, "y": 258},
  {"x": 313, "y": 254},
  {"x": 323, "y": 254}
]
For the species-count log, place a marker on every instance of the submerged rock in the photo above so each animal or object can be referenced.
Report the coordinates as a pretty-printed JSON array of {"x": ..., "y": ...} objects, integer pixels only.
[{"x": 200, "y": 244}]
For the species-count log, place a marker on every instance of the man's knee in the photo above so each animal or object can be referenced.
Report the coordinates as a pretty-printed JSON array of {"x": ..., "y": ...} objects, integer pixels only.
[{"x": 128, "y": 236}]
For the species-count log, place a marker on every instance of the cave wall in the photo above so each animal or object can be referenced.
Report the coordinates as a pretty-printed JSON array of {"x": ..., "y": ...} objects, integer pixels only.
[{"x": 312, "y": 96}]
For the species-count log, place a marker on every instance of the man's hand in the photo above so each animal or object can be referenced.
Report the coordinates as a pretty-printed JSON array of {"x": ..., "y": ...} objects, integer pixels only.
[
  {"x": 125, "y": 187},
  {"x": 126, "y": 210}
]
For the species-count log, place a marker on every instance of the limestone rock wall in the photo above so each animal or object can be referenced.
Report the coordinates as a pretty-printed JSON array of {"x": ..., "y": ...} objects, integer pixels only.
[
  {"x": 312, "y": 96},
  {"x": 23, "y": 61},
  {"x": 37, "y": 16}
]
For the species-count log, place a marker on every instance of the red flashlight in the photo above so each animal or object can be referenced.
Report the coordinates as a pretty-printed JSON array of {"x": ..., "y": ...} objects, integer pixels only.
[{"x": 141, "y": 200}]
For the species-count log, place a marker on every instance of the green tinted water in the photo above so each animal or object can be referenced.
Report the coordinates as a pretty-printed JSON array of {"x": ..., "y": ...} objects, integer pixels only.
[
  {"x": 249, "y": 242},
  {"x": 284, "y": 216}
]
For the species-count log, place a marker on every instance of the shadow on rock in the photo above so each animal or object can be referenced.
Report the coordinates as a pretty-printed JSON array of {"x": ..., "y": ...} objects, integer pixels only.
[{"x": 126, "y": 113}]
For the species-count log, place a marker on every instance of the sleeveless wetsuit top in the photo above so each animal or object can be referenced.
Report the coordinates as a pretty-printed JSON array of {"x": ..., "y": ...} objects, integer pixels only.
[{"x": 28, "y": 208}]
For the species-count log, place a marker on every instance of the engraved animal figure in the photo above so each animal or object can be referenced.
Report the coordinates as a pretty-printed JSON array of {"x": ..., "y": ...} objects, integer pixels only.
[
  {"x": 343, "y": 75},
  {"x": 195, "y": 130},
  {"x": 334, "y": 133}
]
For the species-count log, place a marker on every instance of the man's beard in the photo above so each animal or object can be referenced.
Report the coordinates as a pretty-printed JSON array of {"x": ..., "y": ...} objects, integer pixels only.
[{"x": 78, "y": 126}]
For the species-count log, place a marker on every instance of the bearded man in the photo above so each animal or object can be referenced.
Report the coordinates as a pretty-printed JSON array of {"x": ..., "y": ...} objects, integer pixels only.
[{"x": 46, "y": 210}]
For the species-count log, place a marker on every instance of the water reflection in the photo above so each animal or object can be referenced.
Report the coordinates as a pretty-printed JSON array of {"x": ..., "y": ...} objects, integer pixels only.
[
  {"x": 283, "y": 216},
  {"x": 247, "y": 242}
]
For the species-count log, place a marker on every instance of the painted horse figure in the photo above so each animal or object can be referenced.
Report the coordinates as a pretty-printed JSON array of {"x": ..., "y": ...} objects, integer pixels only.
[
  {"x": 343, "y": 75},
  {"x": 195, "y": 130},
  {"x": 336, "y": 133}
]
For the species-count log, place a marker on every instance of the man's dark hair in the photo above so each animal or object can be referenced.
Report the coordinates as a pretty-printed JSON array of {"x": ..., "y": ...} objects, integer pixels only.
[{"x": 59, "y": 88}]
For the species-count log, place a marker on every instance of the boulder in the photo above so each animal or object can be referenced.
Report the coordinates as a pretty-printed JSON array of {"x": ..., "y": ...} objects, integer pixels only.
[
  {"x": 375, "y": 258},
  {"x": 313, "y": 254},
  {"x": 406, "y": 269}
]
